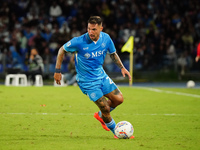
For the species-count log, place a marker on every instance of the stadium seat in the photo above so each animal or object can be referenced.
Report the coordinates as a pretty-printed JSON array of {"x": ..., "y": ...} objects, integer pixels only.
[
  {"x": 38, "y": 80},
  {"x": 16, "y": 80}
]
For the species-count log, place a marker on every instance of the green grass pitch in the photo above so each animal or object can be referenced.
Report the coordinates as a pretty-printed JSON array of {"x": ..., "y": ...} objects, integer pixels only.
[{"x": 61, "y": 118}]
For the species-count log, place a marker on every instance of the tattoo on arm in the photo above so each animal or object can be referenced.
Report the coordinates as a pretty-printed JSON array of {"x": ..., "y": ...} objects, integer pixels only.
[
  {"x": 116, "y": 60},
  {"x": 60, "y": 56}
]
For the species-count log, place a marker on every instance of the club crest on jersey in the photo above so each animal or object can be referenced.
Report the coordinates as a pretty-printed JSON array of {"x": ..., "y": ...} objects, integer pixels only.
[
  {"x": 103, "y": 45},
  {"x": 87, "y": 55}
]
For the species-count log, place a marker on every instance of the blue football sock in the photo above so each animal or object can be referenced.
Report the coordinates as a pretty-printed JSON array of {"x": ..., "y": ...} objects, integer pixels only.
[
  {"x": 111, "y": 125},
  {"x": 111, "y": 109}
]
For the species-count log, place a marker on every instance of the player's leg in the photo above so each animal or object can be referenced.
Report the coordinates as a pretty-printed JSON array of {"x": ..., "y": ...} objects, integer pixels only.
[
  {"x": 113, "y": 94},
  {"x": 93, "y": 91},
  {"x": 104, "y": 107},
  {"x": 115, "y": 98}
]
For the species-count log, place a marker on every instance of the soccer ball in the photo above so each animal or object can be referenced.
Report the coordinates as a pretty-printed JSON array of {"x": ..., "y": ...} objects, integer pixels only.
[
  {"x": 190, "y": 84},
  {"x": 124, "y": 130}
]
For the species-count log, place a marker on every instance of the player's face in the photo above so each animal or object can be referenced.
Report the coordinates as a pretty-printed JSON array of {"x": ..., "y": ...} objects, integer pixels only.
[{"x": 94, "y": 31}]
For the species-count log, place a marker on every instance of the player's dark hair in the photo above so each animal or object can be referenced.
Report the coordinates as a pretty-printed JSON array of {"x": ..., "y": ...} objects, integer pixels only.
[{"x": 95, "y": 20}]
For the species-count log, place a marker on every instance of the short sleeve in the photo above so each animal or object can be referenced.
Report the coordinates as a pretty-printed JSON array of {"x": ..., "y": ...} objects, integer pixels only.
[
  {"x": 111, "y": 47},
  {"x": 71, "y": 46}
]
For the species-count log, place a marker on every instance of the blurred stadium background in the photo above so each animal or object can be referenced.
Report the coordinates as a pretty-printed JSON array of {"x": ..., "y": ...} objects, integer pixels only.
[{"x": 166, "y": 34}]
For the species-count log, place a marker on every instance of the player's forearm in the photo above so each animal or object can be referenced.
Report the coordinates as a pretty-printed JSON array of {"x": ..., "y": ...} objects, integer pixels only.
[
  {"x": 116, "y": 59},
  {"x": 60, "y": 56},
  {"x": 197, "y": 58}
]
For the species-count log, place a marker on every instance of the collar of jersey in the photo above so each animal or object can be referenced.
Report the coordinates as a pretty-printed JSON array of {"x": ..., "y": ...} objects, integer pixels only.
[{"x": 88, "y": 38}]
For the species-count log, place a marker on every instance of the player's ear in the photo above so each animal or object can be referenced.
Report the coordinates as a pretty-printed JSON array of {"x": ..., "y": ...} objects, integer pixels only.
[{"x": 101, "y": 28}]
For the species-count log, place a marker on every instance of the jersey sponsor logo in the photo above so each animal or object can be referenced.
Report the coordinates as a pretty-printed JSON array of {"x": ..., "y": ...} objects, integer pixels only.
[
  {"x": 98, "y": 53},
  {"x": 68, "y": 43},
  {"x": 94, "y": 54}
]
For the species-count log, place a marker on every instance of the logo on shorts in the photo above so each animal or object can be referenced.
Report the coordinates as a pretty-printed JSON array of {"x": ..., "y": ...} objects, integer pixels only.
[{"x": 93, "y": 95}]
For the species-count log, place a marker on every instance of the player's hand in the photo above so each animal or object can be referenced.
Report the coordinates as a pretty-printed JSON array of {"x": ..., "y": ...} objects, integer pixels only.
[
  {"x": 57, "y": 77},
  {"x": 126, "y": 72},
  {"x": 197, "y": 58}
]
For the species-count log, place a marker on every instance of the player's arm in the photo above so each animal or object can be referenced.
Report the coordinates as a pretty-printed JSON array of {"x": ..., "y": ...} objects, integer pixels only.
[
  {"x": 197, "y": 58},
  {"x": 114, "y": 56},
  {"x": 60, "y": 56}
]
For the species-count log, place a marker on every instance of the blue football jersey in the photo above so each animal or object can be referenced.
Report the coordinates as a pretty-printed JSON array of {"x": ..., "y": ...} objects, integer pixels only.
[{"x": 90, "y": 55}]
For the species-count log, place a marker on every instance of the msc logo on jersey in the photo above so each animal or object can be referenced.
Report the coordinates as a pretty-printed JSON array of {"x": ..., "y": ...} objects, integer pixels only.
[
  {"x": 94, "y": 54},
  {"x": 97, "y": 54}
]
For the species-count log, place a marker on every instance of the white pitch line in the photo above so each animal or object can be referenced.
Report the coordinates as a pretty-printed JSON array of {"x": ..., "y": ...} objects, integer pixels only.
[
  {"x": 170, "y": 92},
  {"x": 90, "y": 114}
]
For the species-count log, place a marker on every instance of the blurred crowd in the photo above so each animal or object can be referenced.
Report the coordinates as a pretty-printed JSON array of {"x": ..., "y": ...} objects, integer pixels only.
[{"x": 166, "y": 32}]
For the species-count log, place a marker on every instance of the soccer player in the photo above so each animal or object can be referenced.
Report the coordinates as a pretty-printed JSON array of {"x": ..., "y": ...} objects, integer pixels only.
[
  {"x": 91, "y": 49},
  {"x": 198, "y": 53}
]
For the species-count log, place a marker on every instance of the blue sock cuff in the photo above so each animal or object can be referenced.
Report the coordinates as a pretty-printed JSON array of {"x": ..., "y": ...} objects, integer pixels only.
[{"x": 111, "y": 125}]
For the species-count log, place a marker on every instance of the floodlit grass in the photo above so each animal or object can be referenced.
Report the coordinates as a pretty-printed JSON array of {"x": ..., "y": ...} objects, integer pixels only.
[{"x": 61, "y": 118}]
